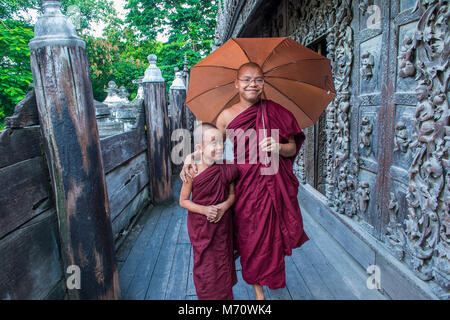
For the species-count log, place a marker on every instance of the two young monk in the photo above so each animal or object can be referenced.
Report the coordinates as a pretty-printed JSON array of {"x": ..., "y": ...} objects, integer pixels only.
[{"x": 266, "y": 219}]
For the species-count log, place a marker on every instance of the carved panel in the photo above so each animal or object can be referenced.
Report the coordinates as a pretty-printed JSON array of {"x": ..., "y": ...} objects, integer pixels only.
[
  {"x": 366, "y": 200},
  {"x": 406, "y": 69},
  {"x": 370, "y": 62},
  {"x": 407, "y": 4},
  {"x": 403, "y": 137},
  {"x": 368, "y": 132}
]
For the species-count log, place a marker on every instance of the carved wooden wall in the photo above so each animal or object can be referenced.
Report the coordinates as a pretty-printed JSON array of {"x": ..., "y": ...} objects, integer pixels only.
[{"x": 387, "y": 131}]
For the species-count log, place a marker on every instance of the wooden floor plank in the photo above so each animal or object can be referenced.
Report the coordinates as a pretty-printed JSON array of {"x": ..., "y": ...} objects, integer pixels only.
[
  {"x": 191, "y": 286},
  {"x": 351, "y": 271},
  {"x": 294, "y": 282},
  {"x": 130, "y": 239},
  {"x": 184, "y": 235},
  {"x": 130, "y": 265},
  {"x": 161, "y": 273},
  {"x": 238, "y": 264},
  {"x": 241, "y": 288},
  {"x": 280, "y": 294},
  {"x": 177, "y": 284},
  {"x": 267, "y": 294},
  {"x": 139, "y": 284},
  {"x": 328, "y": 273},
  {"x": 312, "y": 278}
]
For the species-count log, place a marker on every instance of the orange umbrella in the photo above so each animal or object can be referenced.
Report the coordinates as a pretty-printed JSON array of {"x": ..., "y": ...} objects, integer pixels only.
[{"x": 294, "y": 76}]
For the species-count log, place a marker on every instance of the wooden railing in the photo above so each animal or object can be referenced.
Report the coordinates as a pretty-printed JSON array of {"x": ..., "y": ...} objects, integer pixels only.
[{"x": 69, "y": 197}]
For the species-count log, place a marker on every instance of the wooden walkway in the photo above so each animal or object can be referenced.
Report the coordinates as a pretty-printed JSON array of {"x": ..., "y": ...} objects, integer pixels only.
[{"x": 155, "y": 262}]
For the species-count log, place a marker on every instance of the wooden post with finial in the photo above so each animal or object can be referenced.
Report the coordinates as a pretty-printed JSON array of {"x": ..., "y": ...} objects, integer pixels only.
[
  {"x": 190, "y": 118},
  {"x": 158, "y": 133},
  {"x": 177, "y": 117},
  {"x": 69, "y": 128}
]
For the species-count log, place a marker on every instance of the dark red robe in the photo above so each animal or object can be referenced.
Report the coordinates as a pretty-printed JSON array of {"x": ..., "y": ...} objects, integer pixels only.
[
  {"x": 214, "y": 267},
  {"x": 267, "y": 218}
]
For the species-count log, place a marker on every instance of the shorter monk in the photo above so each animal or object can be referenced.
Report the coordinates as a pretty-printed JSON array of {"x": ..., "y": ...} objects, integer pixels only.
[{"x": 210, "y": 221}]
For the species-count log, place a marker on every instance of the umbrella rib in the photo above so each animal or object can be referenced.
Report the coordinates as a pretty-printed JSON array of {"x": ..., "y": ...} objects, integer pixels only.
[
  {"x": 289, "y": 100},
  {"x": 300, "y": 82},
  {"x": 271, "y": 53},
  {"x": 212, "y": 66},
  {"x": 293, "y": 62},
  {"x": 217, "y": 114},
  {"x": 223, "y": 85},
  {"x": 241, "y": 49}
]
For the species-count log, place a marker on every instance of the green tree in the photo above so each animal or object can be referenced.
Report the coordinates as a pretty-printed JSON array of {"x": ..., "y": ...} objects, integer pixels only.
[
  {"x": 15, "y": 72},
  {"x": 189, "y": 23},
  {"x": 15, "y": 33},
  {"x": 89, "y": 10}
]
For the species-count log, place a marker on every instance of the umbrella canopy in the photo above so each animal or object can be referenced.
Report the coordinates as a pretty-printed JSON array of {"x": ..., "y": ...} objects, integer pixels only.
[{"x": 296, "y": 77}]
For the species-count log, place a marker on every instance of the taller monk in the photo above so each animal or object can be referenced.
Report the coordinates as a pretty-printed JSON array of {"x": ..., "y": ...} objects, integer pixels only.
[{"x": 267, "y": 218}]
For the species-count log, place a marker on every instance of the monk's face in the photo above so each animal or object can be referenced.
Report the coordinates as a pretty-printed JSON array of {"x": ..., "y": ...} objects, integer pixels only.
[
  {"x": 250, "y": 83},
  {"x": 212, "y": 145}
]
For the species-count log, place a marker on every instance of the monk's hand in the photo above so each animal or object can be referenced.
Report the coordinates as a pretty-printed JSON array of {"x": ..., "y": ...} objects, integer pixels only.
[
  {"x": 220, "y": 212},
  {"x": 269, "y": 144},
  {"x": 189, "y": 166},
  {"x": 211, "y": 213}
]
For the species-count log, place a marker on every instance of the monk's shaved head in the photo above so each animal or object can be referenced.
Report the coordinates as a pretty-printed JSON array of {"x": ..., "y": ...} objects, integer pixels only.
[
  {"x": 252, "y": 65},
  {"x": 199, "y": 131}
]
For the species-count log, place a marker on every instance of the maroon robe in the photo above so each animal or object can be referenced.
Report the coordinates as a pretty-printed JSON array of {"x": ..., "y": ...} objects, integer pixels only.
[
  {"x": 267, "y": 218},
  {"x": 214, "y": 266}
]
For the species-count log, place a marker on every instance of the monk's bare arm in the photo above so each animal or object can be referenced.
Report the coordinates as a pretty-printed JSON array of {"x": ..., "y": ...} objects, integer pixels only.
[
  {"x": 288, "y": 149},
  {"x": 221, "y": 122},
  {"x": 186, "y": 203}
]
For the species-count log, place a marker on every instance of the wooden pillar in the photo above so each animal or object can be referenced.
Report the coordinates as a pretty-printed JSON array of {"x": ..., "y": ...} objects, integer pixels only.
[
  {"x": 69, "y": 128},
  {"x": 157, "y": 121},
  {"x": 190, "y": 118},
  {"x": 177, "y": 112}
]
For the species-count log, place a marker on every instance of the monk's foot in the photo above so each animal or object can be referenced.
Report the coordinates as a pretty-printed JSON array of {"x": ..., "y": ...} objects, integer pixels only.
[
  {"x": 260, "y": 297},
  {"x": 259, "y": 293}
]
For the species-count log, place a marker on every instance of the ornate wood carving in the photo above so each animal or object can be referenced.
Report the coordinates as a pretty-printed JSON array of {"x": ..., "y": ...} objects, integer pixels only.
[
  {"x": 414, "y": 153},
  {"x": 427, "y": 236}
]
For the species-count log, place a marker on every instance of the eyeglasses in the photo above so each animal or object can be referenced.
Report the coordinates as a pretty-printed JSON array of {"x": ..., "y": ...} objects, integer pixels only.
[{"x": 258, "y": 81}]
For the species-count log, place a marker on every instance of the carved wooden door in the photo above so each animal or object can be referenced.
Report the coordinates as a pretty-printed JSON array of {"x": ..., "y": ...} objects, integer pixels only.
[
  {"x": 315, "y": 142},
  {"x": 384, "y": 93},
  {"x": 370, "y": 96}
]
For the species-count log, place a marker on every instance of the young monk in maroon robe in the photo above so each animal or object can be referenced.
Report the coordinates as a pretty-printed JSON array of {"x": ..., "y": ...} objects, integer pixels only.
[
  {"x": 268, "y": 221},
  {"x": 210, "y": 224}
]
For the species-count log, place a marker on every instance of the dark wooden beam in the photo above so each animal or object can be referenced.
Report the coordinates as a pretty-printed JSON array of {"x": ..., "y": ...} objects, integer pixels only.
[
  {"x": 69, "y": 128},
  {"x": 157, "y": 121}
]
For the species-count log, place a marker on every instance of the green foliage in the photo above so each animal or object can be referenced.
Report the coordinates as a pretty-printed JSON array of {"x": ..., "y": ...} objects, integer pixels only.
[
  {"x": 89, "y": 11},
  {"x": 119, "y": 61},
  {"x": 121, "y": 55},
  {"x": 10, "y": 8},
  {"x": 15, "y": 72},
  {"x": 189, "y": 23}
]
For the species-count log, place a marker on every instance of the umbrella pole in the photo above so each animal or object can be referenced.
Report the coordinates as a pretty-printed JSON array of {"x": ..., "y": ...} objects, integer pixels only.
[{"x": 264, "y": 130}]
